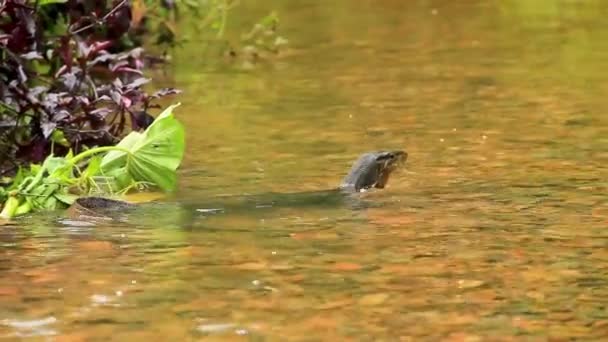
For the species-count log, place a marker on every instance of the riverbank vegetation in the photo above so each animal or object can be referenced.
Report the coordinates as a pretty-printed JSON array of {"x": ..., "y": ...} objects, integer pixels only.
[{"x": 72, "y": 83}]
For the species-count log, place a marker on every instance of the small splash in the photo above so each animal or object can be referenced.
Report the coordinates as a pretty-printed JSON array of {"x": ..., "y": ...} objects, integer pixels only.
[
  {"x": 30, "y": 328},
  {"x": 210, "y": 210},
  {"x": 31, "y": 324},
  {"x": 77, "y": 223},
  {"x": 241, "y": 332},
  {"x": 215, "y": 328},
  {"x": 105, "y": 300},
  {"x": 101, "y": 299}
]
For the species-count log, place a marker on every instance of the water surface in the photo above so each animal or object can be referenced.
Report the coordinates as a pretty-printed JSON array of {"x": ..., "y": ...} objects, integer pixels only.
[{"x": 496, "y": 230}]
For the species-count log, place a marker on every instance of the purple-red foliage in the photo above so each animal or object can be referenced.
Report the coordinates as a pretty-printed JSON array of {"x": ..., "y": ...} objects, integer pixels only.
[{"x": 73, "y": 89}]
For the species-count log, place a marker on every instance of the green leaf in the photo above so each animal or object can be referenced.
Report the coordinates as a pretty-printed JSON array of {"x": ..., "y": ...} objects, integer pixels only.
[
  {"x": 21, "y": 175},
  {"x": 23, "y": 209},
  {"x": 49, "y": 2},
  {"x": 35, "y": 168},
  {"x": 59, "y": 138},
  {"x": 153, "y": 155},
  {"x": 147, "y": 171},
  {"x": 93, "y": 168},
  {"x": 10, "y": 207},
  {"x": 115, "y": 180},
  {"x": 53, "y": 164},
  {"x": 117, "y": 159},
  {"x": 66, "y": 198},
  {"x": 164, "y": 141}
]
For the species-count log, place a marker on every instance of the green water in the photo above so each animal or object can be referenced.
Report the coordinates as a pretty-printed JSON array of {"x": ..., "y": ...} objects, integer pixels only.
[{"x": 496, "y": 229}]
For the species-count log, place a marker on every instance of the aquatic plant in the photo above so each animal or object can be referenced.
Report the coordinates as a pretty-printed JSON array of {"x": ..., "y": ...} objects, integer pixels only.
[{"x": 148, "y": 159}]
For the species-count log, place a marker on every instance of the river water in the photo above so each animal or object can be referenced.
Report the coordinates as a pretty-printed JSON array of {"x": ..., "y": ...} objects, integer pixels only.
[{"x": 494, "y": 230}]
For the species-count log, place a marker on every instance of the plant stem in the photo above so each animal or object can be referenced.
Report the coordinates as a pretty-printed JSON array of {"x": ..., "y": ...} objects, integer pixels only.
[
  {"x": 96, "y": 150},
  {"x": 97, "y": 22}
]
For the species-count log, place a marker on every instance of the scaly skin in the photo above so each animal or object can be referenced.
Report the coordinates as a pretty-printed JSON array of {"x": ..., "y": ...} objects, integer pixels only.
[{"x": 371, "y": 170}]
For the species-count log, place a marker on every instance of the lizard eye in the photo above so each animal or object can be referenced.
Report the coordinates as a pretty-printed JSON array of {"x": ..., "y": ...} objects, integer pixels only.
[{"x": 385, "y": 156}]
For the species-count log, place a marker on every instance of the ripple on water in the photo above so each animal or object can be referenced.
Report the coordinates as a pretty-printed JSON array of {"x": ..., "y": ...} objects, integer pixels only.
[{"x": 31, "y": 328}]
